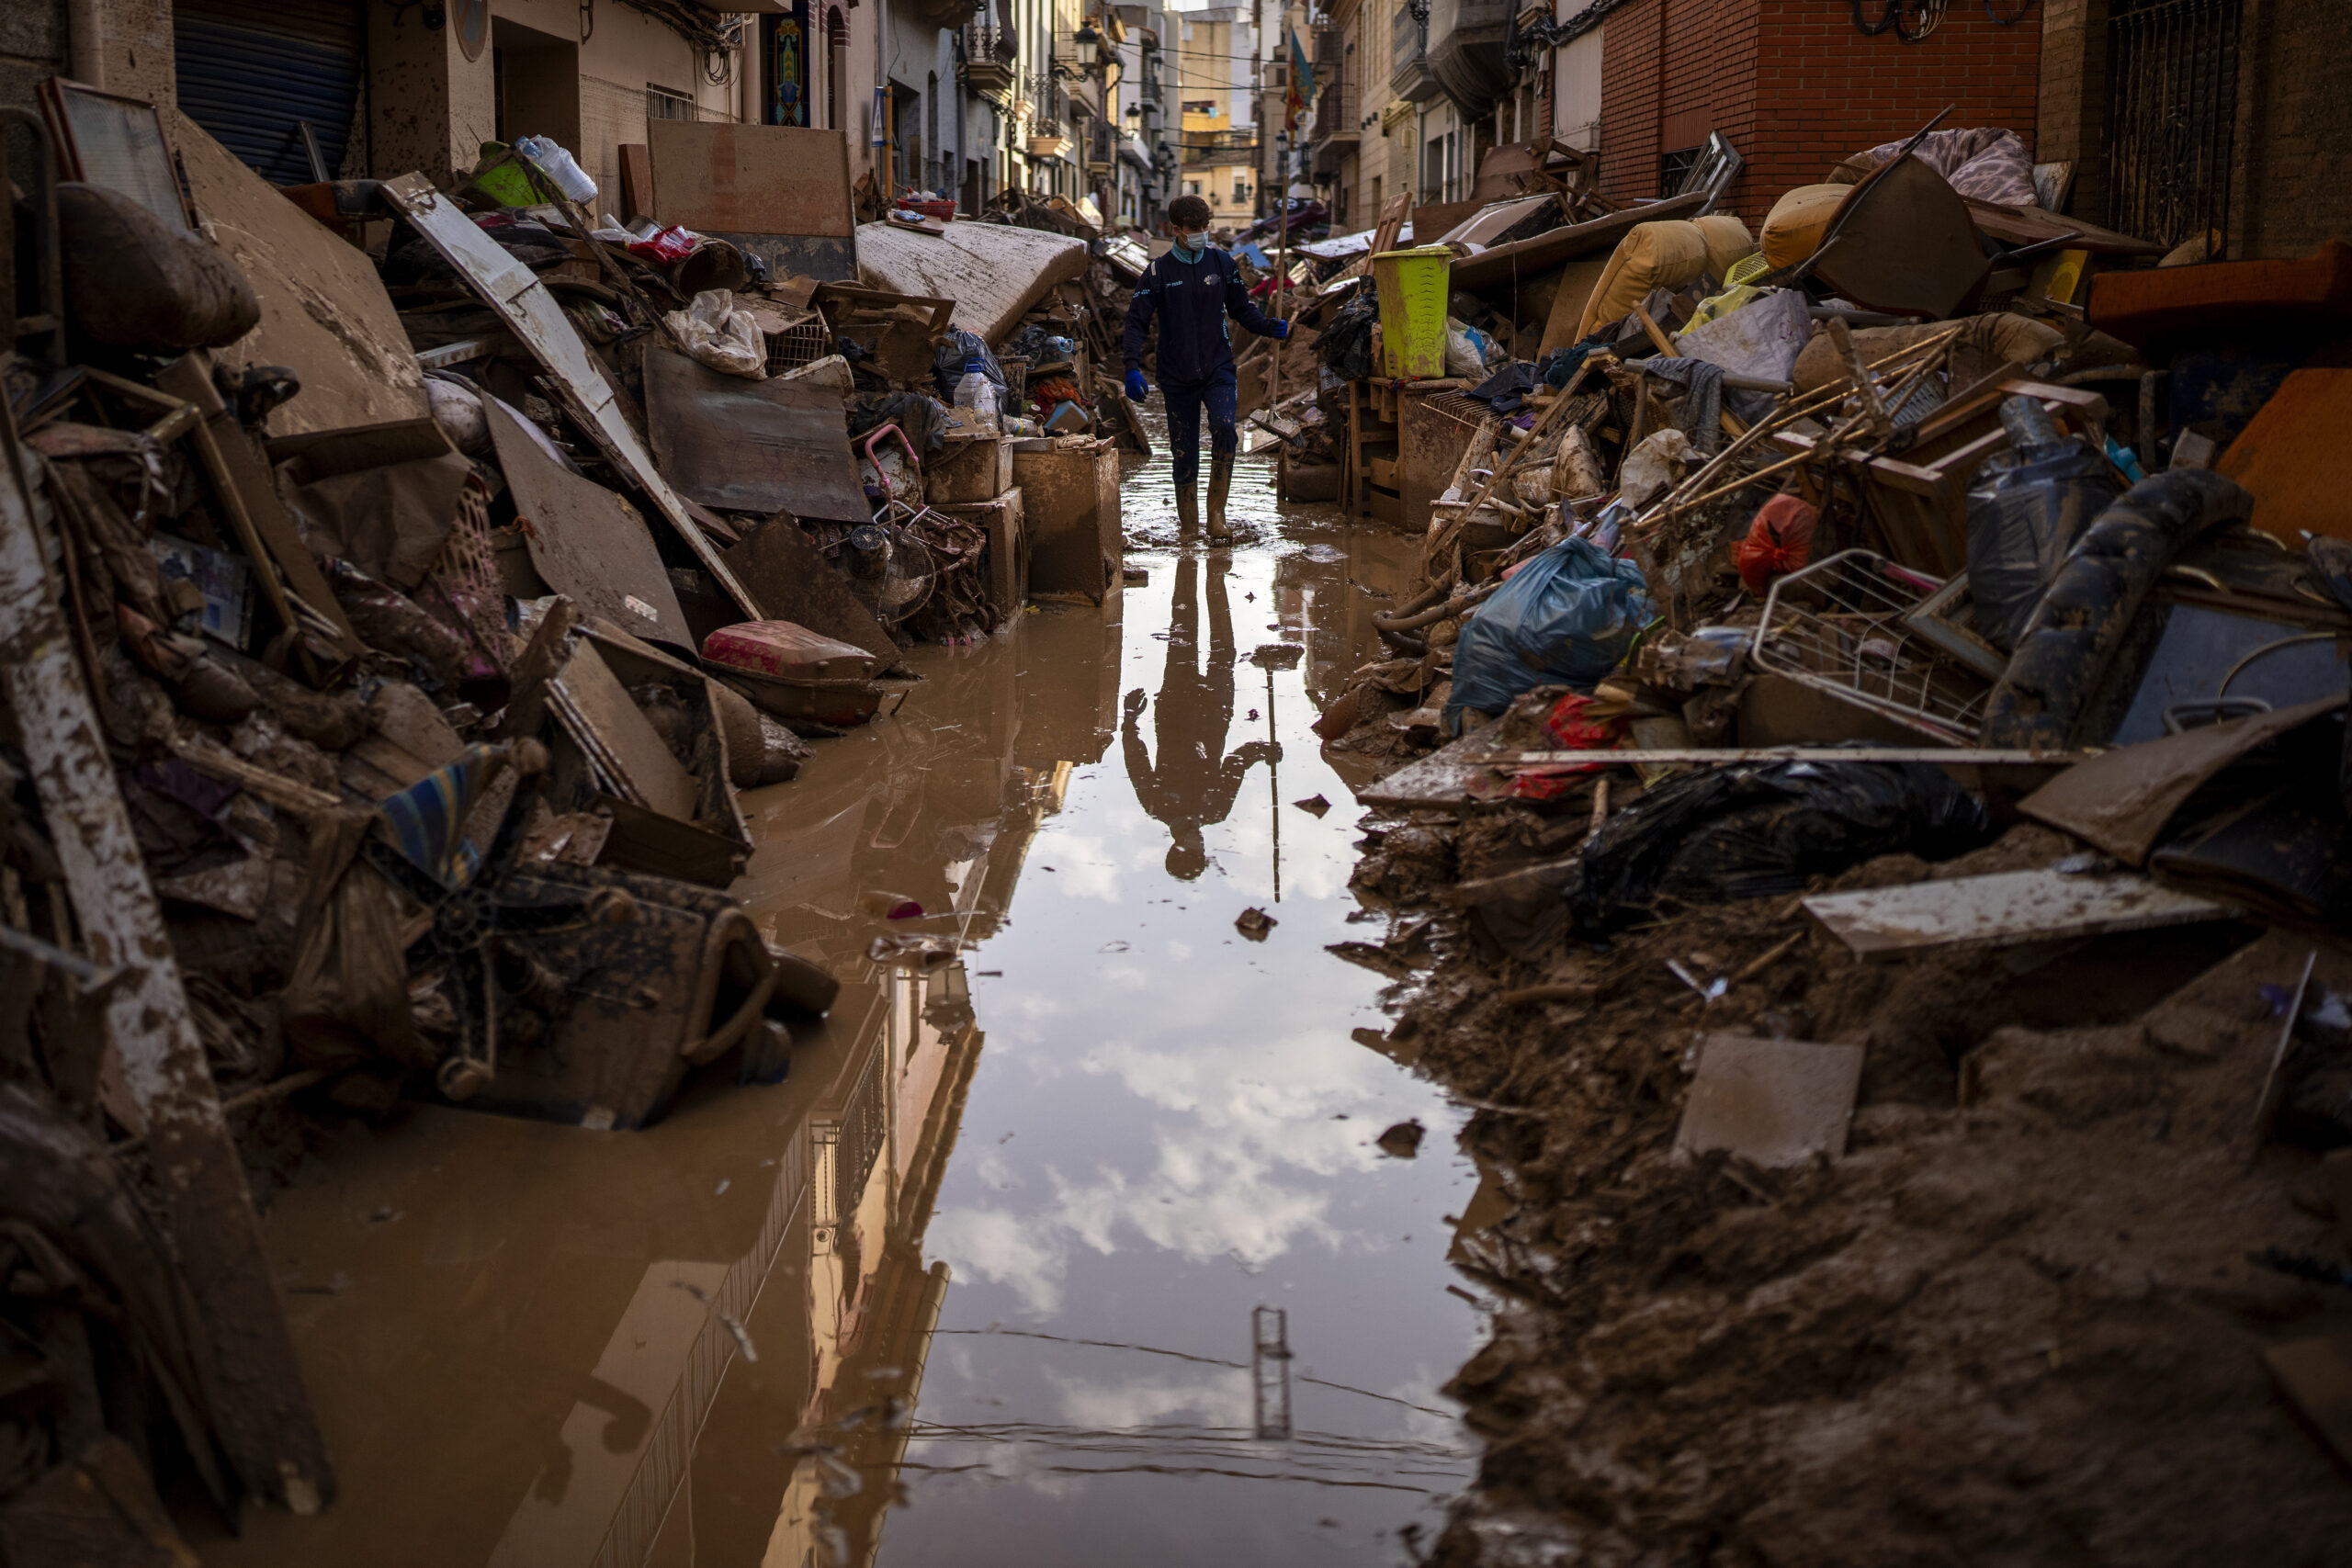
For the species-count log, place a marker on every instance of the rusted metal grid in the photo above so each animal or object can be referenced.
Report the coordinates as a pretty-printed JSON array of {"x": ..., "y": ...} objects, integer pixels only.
[{"x": 1842, "y": 627}]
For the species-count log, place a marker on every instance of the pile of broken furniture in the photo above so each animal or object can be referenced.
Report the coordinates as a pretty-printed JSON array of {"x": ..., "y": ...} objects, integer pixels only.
[
  {"x": 1931, "y": 527},
  {"x": 398, "y": 585}
]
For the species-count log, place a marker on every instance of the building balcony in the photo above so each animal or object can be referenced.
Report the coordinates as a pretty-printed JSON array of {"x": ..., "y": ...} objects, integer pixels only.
[
  {"x": 1047, "y": 139},
  {"x": 988, "y": 52},
  {"x": 1336, "y": 118},
  {"x": 1411, "y": 78},
  {"x": 1335, "y": 130},
  {"x": 1465, "y": 52}
]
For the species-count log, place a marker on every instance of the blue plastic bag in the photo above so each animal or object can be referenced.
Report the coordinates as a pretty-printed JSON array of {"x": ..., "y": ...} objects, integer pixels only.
[{"x": 1566, "y": 617}]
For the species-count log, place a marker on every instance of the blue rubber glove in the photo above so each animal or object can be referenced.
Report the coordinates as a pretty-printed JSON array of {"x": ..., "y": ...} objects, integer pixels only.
[
  {"x": 1282, "y": 329},
  {"x": 1136, "y": 390}
]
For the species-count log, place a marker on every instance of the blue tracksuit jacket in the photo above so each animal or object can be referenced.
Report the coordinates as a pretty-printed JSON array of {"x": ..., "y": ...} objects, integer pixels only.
[{"x": 1191, "y": 302}]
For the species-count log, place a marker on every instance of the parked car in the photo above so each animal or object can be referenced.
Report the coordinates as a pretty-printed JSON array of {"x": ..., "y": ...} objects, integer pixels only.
[{"x": 1309, "y": 219}]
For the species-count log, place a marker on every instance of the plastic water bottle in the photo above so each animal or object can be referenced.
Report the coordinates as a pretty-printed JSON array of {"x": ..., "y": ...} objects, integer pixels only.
[
  {"x": 977, "y": 392},
  {"x": 559, "y": 166}
]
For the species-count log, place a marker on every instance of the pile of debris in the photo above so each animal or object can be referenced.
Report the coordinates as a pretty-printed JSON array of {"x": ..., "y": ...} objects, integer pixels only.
[
  {"x": 1868, "y": 802},
  {"x": 398, "y": 584}
]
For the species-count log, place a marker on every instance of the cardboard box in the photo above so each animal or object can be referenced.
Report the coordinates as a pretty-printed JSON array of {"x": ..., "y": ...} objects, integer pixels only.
[
  {"x": 971, "y": 469},
  {"x": 1070, "y": 504},
  {"x": 1008, "y": 547}
]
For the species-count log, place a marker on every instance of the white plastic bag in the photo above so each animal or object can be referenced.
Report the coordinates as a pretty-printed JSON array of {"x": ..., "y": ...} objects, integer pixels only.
[
  {"x": 1654, "y": 467},
  {"x": 721, "y": 334},
  {"x": 1469, "y": 351}
]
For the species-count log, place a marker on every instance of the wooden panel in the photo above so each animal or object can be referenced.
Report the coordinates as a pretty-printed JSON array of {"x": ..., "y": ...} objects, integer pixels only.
[
  {"x": 1776, "y": 1102},
  {"x": 2007, "y": 907},
  {"x": 752, "y": 179},
  {"x": 325, "y": 313},
  {"x": 2287, "y": 457}
]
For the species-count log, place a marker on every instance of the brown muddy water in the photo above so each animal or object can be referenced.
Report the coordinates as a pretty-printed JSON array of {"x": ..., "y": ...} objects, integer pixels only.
[{"x": 979, "y": 1283}]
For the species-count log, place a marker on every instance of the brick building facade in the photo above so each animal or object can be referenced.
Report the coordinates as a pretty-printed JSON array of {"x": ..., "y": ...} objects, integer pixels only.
[
  {"x": 2285, "y": 75},
  {"x": 1795, "y": 88}
]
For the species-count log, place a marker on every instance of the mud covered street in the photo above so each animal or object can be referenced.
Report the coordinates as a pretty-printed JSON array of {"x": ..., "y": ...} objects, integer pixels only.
[
  {"x": 665, "y": 903},
  {"x": 998, "y": 1238}
]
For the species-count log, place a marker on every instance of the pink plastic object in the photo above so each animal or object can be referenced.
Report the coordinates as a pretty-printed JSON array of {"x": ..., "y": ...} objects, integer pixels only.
[
  {"x": 783, "y": 651},
  {"x": 878, "y": 431}
]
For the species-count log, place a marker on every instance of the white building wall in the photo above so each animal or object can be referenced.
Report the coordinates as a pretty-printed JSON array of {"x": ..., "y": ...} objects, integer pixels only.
[{"x": 1575, "y": 111}]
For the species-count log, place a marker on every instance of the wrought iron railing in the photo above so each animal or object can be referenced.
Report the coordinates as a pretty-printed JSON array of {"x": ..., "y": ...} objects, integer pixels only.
[{"x": 2172, "y": 94}]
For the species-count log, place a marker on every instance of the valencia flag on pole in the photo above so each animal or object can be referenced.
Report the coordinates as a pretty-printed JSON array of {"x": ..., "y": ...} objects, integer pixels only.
[{"x": 1296, "y": 96}]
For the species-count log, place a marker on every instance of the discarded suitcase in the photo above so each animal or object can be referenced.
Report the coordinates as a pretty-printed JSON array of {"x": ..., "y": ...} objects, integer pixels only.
[{"x": 794, "y": 673}]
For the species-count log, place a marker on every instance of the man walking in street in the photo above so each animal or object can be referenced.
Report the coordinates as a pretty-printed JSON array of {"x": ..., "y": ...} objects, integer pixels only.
[{"x": 1191, "y": 290}]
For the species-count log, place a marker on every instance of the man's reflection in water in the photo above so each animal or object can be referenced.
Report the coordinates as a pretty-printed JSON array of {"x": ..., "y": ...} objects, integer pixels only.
[{"x": 1193, "y": 782}]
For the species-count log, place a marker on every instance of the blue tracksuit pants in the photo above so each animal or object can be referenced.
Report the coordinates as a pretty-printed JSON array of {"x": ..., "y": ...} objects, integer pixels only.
[{"x": 1219, "y": 395}]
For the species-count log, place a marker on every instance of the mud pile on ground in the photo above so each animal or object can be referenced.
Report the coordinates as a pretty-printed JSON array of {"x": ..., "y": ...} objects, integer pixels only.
[{"x": 2017, "y": 1321}]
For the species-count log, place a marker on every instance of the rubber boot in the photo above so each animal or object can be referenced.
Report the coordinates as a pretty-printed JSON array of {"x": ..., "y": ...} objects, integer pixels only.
[
  {"x": 1220, "y": 480},
  {"x": 1187, "y": 505}
]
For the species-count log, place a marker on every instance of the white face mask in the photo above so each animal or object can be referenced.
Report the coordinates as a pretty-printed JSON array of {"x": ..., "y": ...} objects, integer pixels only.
[{"x": 1193, "y": 242}]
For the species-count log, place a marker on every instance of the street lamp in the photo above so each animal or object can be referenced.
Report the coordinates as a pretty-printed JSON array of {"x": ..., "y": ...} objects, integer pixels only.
[{"x": 1086, "y": 46}]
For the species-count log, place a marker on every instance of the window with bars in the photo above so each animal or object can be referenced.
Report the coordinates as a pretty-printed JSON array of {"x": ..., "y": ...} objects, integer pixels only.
[
  {"x": 1673, "y": 168},
  {"x": 664, "y": 102},
  {"x": 2172, "y": 94}
]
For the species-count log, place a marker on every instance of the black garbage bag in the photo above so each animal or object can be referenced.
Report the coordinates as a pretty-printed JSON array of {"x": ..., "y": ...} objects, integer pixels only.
[
  {"x": 1345, "y": 342},
  {"x": 958, "y": 349},
  {"x": 2026, "y": 507},
  {"x": 924, "y": 419},
  {"x": 1759, "y": 829},
  {"x": 2071, "y": 637}
]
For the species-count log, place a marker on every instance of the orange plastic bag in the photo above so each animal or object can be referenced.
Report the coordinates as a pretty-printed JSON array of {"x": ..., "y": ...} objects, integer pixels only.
[{"x": 1779, "y": 541}]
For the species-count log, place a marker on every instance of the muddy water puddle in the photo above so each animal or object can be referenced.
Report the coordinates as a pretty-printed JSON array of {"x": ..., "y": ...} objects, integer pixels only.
[{"x": 1072, "y": 1211}]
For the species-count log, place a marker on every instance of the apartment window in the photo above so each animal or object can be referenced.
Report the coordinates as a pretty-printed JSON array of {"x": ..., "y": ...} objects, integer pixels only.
[
  {"x": 661, "y": 103},
  {"x": 1281, "y": 75},
  {"x": 1375, "y": 194},
  {"x": 1192, "y": 187},
  {"x": 1673, "y": 168},
  {"x": 1241, "y": 191},
  {"x": 1200, "y": 105}
]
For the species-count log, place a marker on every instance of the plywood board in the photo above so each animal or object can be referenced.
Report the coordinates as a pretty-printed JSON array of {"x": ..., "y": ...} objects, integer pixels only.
[
  {"x": 779, "y": 192},
  {"x": 620, "y": 737},
  {"x": 2003, "y": 909},
  {"x": 757, "y": 179},
  {"x": 1523, "y": 258},
  {"x": 1577, "y": 280},
  {"x": 324, "y": 314},
  {"x": 2122, "y": 799},
  {"x": 2287, "y": 456},
  {"x": 2316, "y": 1377},
  {"x": 744, "y": 445},
  {"x": 1774, "y": 1102},
  {"x": 993, "y": 271},
  {"x": 587, "y": 543},
  {"x": 526, "y": 307}
]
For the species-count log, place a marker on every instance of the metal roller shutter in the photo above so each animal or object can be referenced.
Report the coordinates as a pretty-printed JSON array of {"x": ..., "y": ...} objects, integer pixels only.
[{"x": 251, "y": 71}]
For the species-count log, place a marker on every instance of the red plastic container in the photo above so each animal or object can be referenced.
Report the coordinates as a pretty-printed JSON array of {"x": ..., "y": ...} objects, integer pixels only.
[{"x": 942, "y": 210}]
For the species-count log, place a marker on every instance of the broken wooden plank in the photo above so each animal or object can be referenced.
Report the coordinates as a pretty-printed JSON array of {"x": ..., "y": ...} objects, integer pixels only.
[
  {"x": 1441, "y": 778},
  {"x": 253, "y": 1384},
  {"x": 585, "y": 542},
  {"x": 1454, "y": 775},
  {"x": 2316, "y": 1377},
  {"x": 325, "y": 312},
  {"x": 1772, "y": 1102},
  {"x": 2120, "y": 800},
  {"x": 530, "y": 311},
  {"x": 1958, "y": 756},
  {"x": 2003, "y": 909}
]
